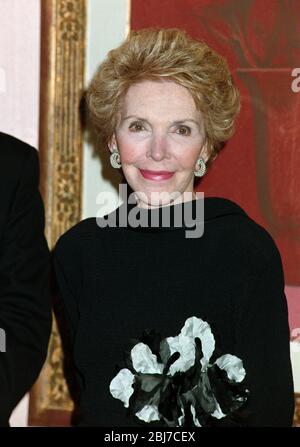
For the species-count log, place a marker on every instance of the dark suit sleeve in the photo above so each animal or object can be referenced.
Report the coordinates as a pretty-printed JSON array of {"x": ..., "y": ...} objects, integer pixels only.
[
  {"x": 263, "y": 343},
  {"x": 25, "y": 310}
]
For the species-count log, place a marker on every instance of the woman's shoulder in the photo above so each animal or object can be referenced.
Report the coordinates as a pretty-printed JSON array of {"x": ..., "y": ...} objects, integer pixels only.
[
  {"x": 242, "y": 231},
  {"x": 72, "y": 239}
]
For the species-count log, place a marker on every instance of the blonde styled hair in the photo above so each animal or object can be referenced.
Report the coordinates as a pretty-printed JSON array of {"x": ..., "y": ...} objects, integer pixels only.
[{"x": 166, "y": 54}]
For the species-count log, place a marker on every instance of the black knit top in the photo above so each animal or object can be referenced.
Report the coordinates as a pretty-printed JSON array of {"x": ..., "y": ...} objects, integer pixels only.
[{"x": 117, "y": 281}]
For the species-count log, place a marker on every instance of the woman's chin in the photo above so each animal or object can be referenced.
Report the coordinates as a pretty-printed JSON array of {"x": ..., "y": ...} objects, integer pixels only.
[{"x": 148, "y": 200}]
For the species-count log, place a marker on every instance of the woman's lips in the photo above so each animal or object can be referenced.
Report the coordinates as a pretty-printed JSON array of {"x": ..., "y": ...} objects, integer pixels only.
[{"x": 156, "y": 175}]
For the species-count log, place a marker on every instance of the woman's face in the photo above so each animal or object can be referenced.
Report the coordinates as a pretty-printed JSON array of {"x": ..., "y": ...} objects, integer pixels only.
[{"x": 159, "y": 129}]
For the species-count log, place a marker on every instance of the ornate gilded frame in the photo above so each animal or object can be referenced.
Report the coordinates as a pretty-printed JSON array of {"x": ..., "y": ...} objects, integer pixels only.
[
  {"x": 297, "y": 410},
  {"x": 63, "y": 31}
]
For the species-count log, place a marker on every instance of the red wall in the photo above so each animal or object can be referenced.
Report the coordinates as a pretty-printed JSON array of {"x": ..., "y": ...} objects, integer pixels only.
[{"x": 258, "y": 168}]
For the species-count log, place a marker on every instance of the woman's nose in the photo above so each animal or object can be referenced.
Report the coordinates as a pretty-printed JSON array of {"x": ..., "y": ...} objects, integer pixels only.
[{"x": 158, "y": 147}]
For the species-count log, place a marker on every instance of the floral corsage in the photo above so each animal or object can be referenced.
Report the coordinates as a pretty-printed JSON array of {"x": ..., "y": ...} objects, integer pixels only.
[{"x": 172, "y": 382}]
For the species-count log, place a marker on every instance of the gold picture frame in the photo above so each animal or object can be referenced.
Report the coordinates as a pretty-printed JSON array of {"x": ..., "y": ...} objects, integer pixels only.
[{"x": 63, "y": 31}]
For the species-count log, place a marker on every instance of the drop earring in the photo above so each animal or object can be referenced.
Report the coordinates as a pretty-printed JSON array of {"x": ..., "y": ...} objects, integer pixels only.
[
  {"x": 201, "y": 171},
  {"x": 115, "y": 159}
]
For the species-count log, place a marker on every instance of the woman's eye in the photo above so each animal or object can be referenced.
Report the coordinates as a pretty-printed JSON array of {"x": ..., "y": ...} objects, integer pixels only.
[
  {"x": 184, "y": 130},
  {"x": 136, "y": 127}
]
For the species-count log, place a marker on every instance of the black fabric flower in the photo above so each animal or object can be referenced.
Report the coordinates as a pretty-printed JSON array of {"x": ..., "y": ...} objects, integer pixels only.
[{"x": 171, "y": 380}]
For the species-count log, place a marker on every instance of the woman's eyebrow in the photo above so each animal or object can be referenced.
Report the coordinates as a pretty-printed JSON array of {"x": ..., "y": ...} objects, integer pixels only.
[
  {"x": 187, "y": 119},
  {"x": 175, "y": 122},
  {"x": 134, "y": 116}
]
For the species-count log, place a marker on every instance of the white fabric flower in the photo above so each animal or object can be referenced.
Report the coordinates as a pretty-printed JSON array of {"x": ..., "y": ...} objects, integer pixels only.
[
  {"x": 121, "y": 386},
  {"x": 234, "y": 370},
  {"x": 184, "y": 343},
  {"x": 233, "y": 367},
  {"x": 193, "y": 411},
  {"x": 144, "y": 361},
  {"x": 218, "y": 413},
  {"x": 185, "y": 346},
  {"x": 148, "y": 413},
  {"x": 181, "y": 418}
]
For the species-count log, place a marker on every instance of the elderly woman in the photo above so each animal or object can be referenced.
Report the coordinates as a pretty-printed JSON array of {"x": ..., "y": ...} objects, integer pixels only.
[{"x": 167, "y": 328}]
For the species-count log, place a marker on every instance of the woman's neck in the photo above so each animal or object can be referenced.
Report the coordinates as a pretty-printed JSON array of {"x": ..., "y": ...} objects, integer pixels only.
[{"x": 185, "y": 197}]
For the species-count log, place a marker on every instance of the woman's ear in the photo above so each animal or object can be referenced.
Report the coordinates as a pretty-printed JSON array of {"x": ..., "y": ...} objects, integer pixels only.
[
  {"x": 112, "y": 143},
  {"x": 204, "y": 153}
]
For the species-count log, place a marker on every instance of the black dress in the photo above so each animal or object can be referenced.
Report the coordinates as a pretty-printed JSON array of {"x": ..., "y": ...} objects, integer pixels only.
[{"x": 115, "y": 282}]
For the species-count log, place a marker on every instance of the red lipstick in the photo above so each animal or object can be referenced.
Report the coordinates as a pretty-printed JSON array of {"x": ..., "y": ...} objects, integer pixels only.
[{"x": 156, "y": 175}]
